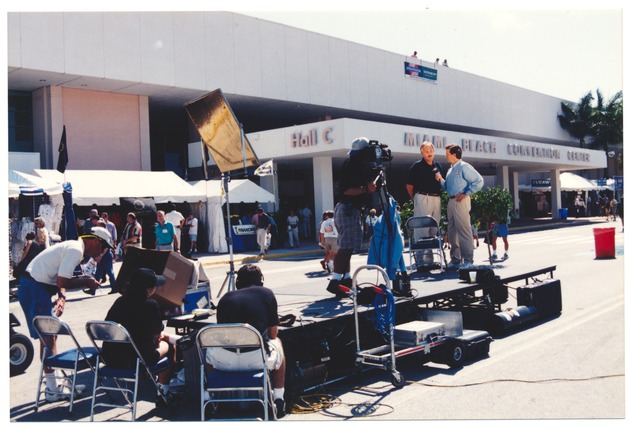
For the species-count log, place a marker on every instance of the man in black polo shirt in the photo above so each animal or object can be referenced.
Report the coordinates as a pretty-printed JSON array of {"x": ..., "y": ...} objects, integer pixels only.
[{"x": 425, "y": 190}]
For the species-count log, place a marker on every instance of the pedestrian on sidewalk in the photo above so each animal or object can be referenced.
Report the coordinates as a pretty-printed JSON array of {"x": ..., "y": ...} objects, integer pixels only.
[
  {"x": 263, "y": 226},
  {"x": 499, "y": 230},
  {"x": 328, "y": 239},
  {"x": 292, "y": 229}
]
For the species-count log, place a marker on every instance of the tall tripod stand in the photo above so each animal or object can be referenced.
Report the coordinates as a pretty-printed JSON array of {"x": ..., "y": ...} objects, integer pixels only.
[{"x": 229, "y": 277}]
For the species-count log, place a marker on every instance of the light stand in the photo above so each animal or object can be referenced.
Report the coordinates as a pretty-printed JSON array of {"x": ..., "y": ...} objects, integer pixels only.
[{"x": 229, "y": 277}]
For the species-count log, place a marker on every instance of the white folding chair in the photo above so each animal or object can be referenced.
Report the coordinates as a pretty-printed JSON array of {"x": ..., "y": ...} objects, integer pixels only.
[
  {"x": 123, "y": 380},
  {"x": 220, "y": 385},
  {"x": 69, "y": 362},
  {"x": 425, "y": 239}
]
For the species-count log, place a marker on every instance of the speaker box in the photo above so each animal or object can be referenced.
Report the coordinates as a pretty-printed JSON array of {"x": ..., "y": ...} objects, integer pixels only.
[{"x": 546, "y": 297}]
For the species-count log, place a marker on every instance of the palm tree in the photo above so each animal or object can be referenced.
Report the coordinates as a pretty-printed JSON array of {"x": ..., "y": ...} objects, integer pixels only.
[
  {"x": 608, "y": 121},
  {"x": 577, "y": 119}
]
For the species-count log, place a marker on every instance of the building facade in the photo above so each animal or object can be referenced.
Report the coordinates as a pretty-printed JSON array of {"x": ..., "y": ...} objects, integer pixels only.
[{"x": 119, "y": 83}]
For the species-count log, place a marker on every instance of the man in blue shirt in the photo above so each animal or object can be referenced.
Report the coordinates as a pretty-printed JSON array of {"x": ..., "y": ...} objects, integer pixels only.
[
  {"x": 462, "y": 180},
  {"x": 165, "y": 236}
]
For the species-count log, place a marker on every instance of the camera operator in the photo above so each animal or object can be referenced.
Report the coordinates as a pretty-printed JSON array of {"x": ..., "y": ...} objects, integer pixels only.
[{"x": 357, "y": 183}]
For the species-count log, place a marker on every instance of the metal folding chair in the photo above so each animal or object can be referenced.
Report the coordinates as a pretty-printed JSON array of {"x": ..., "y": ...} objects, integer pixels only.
[
  {"x": 220, "y": 385},
  {"x": 69, "y": 362},
  {"x": 425, "y": 239},
  {"x": 122, "y": 380}
]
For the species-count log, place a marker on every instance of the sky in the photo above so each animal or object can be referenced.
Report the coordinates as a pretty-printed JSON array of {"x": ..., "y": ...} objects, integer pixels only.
[
  {"x": 556, "y": 47},
  {"x": 560, "y": 52}
]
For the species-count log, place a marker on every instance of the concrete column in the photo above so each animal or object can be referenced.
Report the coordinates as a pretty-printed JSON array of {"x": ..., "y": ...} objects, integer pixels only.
[
  {"x": 48, "y": 124},
  {"x": 144, "y": 137},
  {"x": 515, "y": 195},
  {"x": 555, "y": 194},
  {"x": 323, "y": 186},
  {"x": 503, "y": 177}
]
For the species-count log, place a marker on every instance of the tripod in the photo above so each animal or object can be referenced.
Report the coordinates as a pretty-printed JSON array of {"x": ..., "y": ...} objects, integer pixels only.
[{"x": 229, "y": 277}]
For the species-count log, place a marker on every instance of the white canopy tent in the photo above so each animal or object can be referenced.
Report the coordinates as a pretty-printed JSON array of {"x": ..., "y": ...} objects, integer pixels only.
[
  {"x": 27, "y": 184},
  {"x": 568, "y": 182},
  {"x": 240, "y": 190},
  {"x": 106, "y": 187}
]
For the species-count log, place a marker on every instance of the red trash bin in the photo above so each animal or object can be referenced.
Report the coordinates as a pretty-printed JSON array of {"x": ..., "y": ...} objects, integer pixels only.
[{"x": 604, "y": 242}]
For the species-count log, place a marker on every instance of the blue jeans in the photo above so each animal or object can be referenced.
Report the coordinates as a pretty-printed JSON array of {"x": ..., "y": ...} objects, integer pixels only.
[{"x": 106, "y": 268}]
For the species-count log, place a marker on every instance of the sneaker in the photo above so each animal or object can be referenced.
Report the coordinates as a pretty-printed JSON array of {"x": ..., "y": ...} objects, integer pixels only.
[
  {"x": 495, "y": 257},
  {"x": 465, "y": 266},
  {"x": 323, "y": 264},
  {"x": 453, "y": 265},
  {"x": 505, "y": 256},
  {"x": 280, "y": 408},
  {"x": 62, "y": 392},
  {"x": 89, "y": 291}
]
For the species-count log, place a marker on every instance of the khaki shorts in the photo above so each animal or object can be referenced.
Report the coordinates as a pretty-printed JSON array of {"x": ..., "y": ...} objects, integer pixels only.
[{"x": 232, "y": 360}]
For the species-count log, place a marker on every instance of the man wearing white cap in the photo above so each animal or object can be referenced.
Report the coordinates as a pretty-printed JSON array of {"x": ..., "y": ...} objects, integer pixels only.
[
  {"x": 51, "y": 273},
  {"x": 356, "y": 188}
]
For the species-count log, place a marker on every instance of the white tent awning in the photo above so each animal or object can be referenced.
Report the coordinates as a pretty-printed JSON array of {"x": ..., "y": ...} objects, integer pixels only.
[
  {"x": 241, "y": 190},
  {"x": 106, "y": 187},
  {"x": 27, "y": 184},
  {"x": 568, "y": 182}
]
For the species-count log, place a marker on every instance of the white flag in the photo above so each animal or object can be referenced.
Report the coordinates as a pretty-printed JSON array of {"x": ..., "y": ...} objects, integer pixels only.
[{"x": 265, "y": 169}]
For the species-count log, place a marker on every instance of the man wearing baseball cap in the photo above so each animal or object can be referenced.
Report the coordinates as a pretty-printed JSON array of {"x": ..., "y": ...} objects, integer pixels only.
[{"x": 52, "y": 273}]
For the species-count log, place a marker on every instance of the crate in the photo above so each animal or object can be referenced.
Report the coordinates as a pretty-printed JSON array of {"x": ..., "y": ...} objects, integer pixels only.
[
  {"x": 476, "y": 343},
  {"x": 417, "y": 332},
  {"x": 195, "y": 299}
]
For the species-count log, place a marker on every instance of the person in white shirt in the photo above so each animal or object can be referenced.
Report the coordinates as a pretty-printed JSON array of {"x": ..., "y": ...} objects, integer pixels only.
[
  {"x": 193, "y": 227},
  {"x": 292, "y": 229},
  {"x": 177, "y": 219},
  {"x": 51, "y": 273},
  {"x": 328, "y": 239}
]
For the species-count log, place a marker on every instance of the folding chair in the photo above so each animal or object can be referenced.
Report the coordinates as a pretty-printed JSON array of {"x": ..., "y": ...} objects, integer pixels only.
[
  {"x": 220, "y": 384},
  {"x": 124, "y": 381},
  {"x": 425, "y": 239},
  {"x": 69, "y": 362}
]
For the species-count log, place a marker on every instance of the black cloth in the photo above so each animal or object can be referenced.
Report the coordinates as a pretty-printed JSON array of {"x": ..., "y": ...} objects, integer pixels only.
[
  {"x": 33, "y": 251},
  {"x": 422, "y": 176},
  {"x": 143, "y": 320},
  {"x": 255, "y": 305},
  {"x": 263, "y": 220},
  {"x": 355, "y": 174}
]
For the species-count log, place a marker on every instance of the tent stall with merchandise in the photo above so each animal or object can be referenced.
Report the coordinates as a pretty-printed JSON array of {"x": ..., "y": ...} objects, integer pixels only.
[
  {"x": 106, "y": 188},
  {"x": 240, "y": 191},
  {"x": 29, "y": 197}
]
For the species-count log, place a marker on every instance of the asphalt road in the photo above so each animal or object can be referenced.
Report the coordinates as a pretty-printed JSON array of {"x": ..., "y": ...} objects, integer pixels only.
[{"x": 570, "y": 367}]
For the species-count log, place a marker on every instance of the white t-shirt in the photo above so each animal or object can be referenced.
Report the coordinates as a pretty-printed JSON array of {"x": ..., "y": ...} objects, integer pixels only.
[
  {"x": 59, "y": 260},
  {"x": 193, "y": 224},
  {"x": 174, "y": 217},
  {"x": 328, "y": 228}
]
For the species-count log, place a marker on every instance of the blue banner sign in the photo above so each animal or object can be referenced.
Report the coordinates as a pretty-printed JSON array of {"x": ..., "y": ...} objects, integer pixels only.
[
  {"x": 618, "y": 183},
  {"x": 420, "y": 72}
]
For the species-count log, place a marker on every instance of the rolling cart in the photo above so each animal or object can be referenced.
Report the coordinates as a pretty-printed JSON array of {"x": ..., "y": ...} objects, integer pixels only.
[{"x": 440, "y": 334}]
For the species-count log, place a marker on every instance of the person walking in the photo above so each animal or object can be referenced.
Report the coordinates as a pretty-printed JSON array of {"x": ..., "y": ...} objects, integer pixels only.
[
  {"x": 292, "y": 229},
  {"x": 165, "y": 235},
  {"x": 425, "y": 191},
  {"x": 263, "y": 226},
  {"x": 328, "y": 239},
  {"x": 461, "y": 181},
  {"x": 499, "y": 230},
  {"x": 370, "y": 221}
]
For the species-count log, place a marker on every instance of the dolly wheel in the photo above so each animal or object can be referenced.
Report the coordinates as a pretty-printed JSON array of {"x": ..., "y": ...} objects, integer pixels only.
[
  {"x": 398, "y": 380},
  {"x": 455, "y": 354}
]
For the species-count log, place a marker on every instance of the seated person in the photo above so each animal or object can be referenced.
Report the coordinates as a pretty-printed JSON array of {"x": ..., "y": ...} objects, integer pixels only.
[
  {"x": 256, "y": 305},
  {"x": 140, "y": 315}
]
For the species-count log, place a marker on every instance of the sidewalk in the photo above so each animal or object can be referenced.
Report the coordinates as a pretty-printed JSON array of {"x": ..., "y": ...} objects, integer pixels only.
[{"x": 517, "y": 226}]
